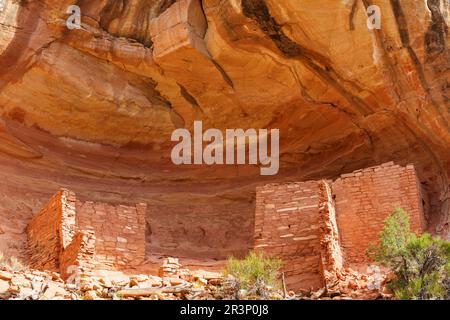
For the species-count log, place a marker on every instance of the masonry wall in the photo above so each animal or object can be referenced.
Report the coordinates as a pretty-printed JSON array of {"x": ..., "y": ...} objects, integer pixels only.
[
  {"x": 287, "y": 226},
  {"x": 44, "y": 238},
  {"x": 119, "y": 231},
  {"x": 365, "y": 198},
  {"x": 318, "y": 227},
  {"x": 200, "y": 230},
  {"x": 78, "y": 255}
]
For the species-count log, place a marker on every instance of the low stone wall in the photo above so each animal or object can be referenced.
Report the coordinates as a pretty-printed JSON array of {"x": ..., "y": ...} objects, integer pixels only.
[
  {"x": 287, "y": 226},
  {"x": 68, "y": 234}
]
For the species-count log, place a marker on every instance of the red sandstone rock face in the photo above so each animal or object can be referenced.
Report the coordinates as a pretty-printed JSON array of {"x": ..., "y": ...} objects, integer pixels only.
[
  {"x": 93, "y": 109},
  {"x": 319, "y": 227}
]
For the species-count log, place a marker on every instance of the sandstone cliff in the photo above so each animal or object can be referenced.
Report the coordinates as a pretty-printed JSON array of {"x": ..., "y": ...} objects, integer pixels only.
[{"x": 93, "y": 109}]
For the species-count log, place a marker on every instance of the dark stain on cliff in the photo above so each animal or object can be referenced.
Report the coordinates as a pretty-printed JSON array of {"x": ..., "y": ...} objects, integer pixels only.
[
  {"x": 437, "y": 54},
  {"x": 147, "y": 9},
  {"x": 430, "y": 37},
  {"x": 258, "y": 11}
]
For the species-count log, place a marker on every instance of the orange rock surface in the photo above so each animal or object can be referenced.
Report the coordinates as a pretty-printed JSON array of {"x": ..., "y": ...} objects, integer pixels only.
[{"x": 93, "y": 109}]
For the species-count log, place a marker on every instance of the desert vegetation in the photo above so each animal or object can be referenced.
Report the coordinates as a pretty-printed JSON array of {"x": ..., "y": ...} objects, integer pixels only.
[{"x": 420, "y": 263}]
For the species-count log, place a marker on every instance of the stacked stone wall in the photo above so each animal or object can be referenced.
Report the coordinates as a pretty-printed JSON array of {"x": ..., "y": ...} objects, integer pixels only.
[{"x": 68, "y": 235}]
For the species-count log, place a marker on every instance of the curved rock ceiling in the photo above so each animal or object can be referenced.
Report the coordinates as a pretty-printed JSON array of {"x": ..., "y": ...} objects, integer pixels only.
[{"x": 93, "y": 109}]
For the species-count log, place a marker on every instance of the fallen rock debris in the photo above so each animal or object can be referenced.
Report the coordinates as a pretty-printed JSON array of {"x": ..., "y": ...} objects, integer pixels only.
[{"x": 173, "y": 283}]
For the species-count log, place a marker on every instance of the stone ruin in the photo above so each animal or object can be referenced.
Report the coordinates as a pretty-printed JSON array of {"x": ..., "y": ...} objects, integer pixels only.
[
  {"x": 317, "y": 228},
  {"x": 320, "y": 227}
]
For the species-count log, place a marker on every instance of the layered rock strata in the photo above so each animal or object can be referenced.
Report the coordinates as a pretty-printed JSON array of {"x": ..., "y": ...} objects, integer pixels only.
[{"x": 92, "y": 109}]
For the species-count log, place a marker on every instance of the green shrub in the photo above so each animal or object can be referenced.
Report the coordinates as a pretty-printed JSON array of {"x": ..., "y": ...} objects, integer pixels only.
[
  {"x": 10, "y": 262},
  {"x": 256, "y": 274},
  {"x": 421, "y": 264}
]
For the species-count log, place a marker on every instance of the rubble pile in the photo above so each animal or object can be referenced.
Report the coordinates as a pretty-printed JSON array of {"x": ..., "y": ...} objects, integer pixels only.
[{"x": 173, "y": 283}]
